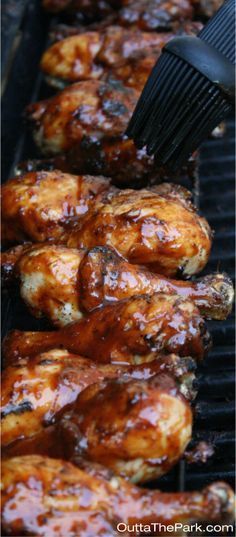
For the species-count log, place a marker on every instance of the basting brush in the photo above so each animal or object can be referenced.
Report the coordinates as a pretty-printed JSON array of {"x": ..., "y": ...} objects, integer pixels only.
[{"x": 189, "y": 91}]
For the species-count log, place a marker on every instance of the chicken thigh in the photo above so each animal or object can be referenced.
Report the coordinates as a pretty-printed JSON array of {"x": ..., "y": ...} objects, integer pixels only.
[{"x": 43, "y": 496}]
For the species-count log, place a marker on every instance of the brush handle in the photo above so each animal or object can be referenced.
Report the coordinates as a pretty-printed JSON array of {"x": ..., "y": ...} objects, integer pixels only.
[
  {"x": 207, "y": 60},
  {"x": 220, "y": 30},
  {"x": 189, "y": 92},
  {"x": 212, "y": 52}
]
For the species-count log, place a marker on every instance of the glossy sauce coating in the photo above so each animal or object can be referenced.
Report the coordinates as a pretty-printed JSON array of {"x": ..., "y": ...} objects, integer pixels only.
[
  {"x": 73, "y": 59},
  {"x": 64, "y": 283},
  {"x": 40, "y": 205},
  {"x": 43, "y": 496},
  {"x": 35, "y": 390},
  {"x": 142, "y": 440},
  {"x": 127, "y": 55},
  {"x": 86, "y": 123},
  {"x": 88, "y": 109},
  {"x": 130, "y": 331},
  {"x": 104, "y": 276},
  {"x": 158, "y": 228}
]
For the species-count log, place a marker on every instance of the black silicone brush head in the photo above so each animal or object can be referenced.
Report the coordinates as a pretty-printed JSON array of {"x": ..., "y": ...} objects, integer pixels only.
[{"x": 189, "y": 92}]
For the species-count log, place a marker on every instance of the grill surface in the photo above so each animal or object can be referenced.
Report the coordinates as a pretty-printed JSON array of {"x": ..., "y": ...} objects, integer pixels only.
[{"x": 213, "y": 193}]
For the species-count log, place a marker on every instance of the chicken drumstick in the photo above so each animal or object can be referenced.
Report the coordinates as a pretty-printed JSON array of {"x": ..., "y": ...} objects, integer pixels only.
[
  {"x": 42, "y": 496},
  {"x": 86, "y": 122},
  {"x": 142, "y": 439},
  {"x": 131, "y": 331},
  {"x": 157, "y": 227},
  {"x": 35, "y": 390},
  {"x": 70, "y": 282},
  {"x": 124, "y": 54},
  {"x": 39, "y": 206}
]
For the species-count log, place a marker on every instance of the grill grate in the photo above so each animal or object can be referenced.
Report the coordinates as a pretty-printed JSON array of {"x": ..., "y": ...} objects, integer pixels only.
[
  {"x": 215, "y": 402},
  {"x": 214, "y": 194}
]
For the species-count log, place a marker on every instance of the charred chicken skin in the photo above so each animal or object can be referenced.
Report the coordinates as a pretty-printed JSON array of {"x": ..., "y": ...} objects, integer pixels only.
[
  {"x": 158, "y": 228},
  {"x": 131, "y": 331},
  {"x": 63, "y": 283},
  {"x": 80, "y": 112},
  {"x": 37, "y": 389},
  {"x": 43, "y": 496},
  {"x": 86, "y": 123},
  {"x": 151, "y": 429},
  {"x": 40, "y": 205}
]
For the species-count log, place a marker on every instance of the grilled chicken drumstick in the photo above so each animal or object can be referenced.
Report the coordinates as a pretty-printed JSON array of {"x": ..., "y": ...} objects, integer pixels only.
[
  {"x": 105, "y": 276},
  {"x": 130, "y": 331},
  {"x": 42, "y": 496},
  {"x": 159, "y": 227},
  {"x": 81, "y": 110},
  {"x": 127, "y": 55},
  {"x": 142, "y": 440},
  {"x": 63, "y": 283},
  {"x": 35, "y": 390},
  {"x": 40, "y": 205},
  {"x": 86, "y": 122},
  {"x": 93, "y": 54}
]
